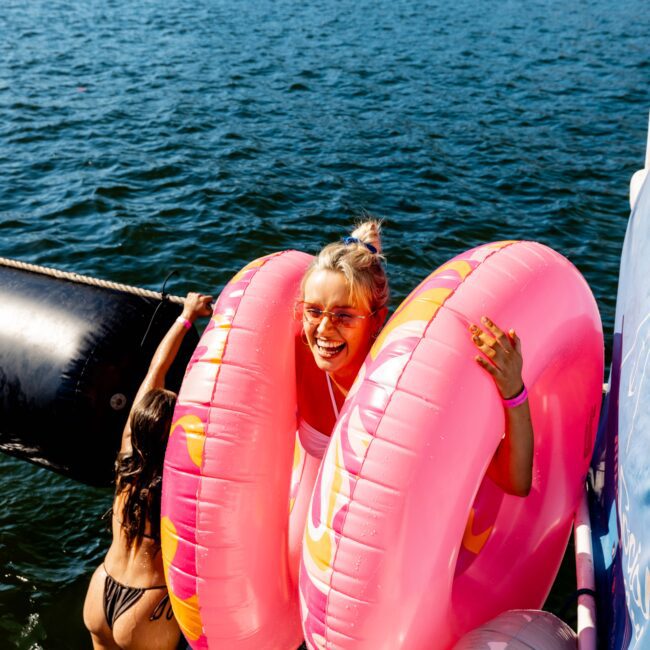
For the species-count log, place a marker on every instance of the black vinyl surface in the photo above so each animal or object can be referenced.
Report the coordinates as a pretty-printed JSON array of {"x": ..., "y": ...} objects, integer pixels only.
[{"x": 71, "y": 359}]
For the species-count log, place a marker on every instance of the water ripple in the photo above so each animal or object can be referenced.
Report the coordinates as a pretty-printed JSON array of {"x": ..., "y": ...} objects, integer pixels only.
[{"x": 140, "y": 139}]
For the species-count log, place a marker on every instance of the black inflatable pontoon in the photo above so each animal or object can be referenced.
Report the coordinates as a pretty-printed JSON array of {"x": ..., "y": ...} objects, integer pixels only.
[{"x": 72, "y": 356}]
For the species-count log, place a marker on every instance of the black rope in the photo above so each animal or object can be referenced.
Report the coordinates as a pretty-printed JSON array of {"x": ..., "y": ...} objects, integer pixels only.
[
  {"x": 164, "y": 297},
  {"x": 572, "y": 598}
]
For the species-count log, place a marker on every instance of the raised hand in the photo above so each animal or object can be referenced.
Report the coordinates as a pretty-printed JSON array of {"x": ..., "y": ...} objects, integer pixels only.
[
  {"x": 512, "y": 464},
  {"x": 196, "y": 305},
  {"x": 501, "y": 356}
]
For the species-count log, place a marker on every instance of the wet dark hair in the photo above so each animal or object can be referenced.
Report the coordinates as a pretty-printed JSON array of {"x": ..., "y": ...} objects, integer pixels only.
[{"x": 139, "y": 474}]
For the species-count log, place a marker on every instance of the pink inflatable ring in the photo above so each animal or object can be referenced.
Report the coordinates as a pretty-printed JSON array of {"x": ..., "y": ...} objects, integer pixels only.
[
  {"x": 406, "y": 544},
  {"x": 226, "y": 481}
]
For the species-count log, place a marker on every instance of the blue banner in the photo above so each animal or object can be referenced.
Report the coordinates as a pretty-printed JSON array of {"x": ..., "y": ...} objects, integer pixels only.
[{"x": 620, "y": 504}]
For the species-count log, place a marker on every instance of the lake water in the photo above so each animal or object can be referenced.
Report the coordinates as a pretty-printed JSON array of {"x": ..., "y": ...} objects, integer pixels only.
[{"x": 137, "y": 138}]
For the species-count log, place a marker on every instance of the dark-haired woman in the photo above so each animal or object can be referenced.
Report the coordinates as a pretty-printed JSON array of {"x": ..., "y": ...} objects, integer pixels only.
[{"x": 127, "y": 605}]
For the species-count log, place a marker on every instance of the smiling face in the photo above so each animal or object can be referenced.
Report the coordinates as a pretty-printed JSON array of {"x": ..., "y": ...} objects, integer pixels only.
[{"x": 339, "y": 351}]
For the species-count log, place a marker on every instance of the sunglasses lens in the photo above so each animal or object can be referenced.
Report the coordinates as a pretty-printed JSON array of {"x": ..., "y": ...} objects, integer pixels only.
[
  {"x": 344, "y": 320},
  {"x": 313, "y": 315}
]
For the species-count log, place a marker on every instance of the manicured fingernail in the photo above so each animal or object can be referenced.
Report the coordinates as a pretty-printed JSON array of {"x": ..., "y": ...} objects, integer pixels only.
[{"x": 476, "y": 339}]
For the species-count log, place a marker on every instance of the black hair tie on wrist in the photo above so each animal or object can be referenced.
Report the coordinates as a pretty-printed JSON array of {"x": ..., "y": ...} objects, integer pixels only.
[{"x": 354, "y": 240}]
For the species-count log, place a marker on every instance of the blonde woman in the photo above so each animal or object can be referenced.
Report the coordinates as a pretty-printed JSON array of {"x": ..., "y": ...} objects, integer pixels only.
[{"x": 343, "y": 307}]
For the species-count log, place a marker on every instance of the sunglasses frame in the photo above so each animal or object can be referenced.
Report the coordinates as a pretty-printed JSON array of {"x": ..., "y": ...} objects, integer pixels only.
[{"x": 334, "y": 317}]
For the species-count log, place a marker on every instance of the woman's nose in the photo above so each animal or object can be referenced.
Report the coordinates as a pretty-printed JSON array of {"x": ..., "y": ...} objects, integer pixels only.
[{"x": 325, "y": 324}]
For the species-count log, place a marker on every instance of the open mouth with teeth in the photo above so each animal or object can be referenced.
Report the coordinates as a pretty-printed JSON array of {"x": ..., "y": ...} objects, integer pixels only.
[{"x": 329, "y": 349}]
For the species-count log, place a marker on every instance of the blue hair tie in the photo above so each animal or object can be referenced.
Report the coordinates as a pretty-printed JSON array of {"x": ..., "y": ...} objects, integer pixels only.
[{"x": 354, "y": 240}]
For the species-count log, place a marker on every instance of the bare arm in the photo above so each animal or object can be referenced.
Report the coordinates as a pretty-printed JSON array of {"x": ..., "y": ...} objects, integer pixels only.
[
  {"x": 196, "y": 305},
  {"x": 512, "y": 465}
]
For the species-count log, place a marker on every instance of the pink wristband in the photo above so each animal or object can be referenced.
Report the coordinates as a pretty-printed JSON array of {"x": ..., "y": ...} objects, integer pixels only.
[
  {"x": 517, "y": 400},
  {"x": 184, "y": 322}
]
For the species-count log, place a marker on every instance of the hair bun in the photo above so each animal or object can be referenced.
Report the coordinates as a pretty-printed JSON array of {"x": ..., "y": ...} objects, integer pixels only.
[{"x": 369, "y": 232}]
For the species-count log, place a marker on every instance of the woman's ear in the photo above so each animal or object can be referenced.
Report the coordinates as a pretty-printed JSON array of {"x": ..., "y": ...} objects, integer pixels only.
[{"x": 380, "y": 315}]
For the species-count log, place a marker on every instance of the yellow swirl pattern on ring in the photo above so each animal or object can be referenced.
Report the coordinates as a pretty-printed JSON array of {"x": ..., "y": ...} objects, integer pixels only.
[
  {"x": 321, "y": 549},
  {"x": 420, "y": 308},
  {"x": 334, "y": 495},
  {"x": 461, "y": 267},
  {"x": 252, "y": 265},
  {"x": 185, "y": 610},
  {"x": 194, "y": 436},
  {"x": 474, "y": 542}
]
